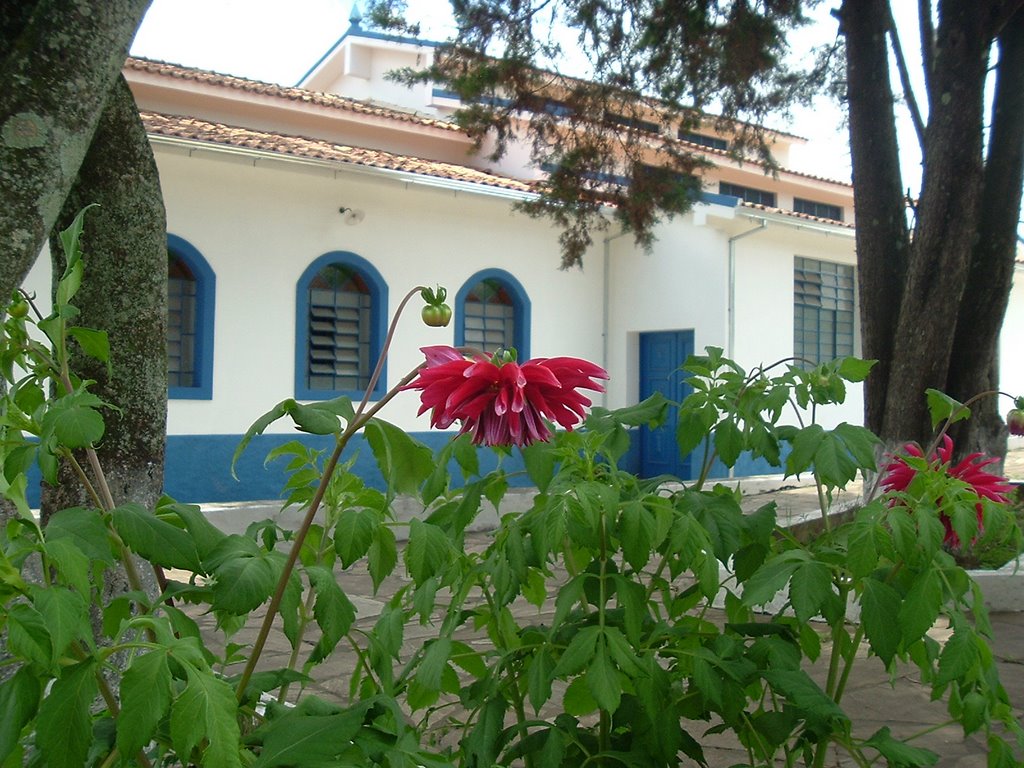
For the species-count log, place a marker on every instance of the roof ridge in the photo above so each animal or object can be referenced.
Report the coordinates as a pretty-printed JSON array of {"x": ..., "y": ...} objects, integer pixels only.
[
  {"x": 207, "y": 131},
  {"x": 292, "y": 93}
]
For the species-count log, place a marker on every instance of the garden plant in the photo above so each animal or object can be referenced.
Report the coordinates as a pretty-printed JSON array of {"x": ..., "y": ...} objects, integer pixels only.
[{"x": 650, "y": 630}]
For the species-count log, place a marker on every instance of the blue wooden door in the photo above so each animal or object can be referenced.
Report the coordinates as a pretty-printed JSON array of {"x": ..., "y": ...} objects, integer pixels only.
[{"x": 661, "y": 354}]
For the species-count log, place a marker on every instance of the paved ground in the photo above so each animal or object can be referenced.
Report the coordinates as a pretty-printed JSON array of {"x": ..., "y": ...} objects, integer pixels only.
[{"x": 872, "y": 698}]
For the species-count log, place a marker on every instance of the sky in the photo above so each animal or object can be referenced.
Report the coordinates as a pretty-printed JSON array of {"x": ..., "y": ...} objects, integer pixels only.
[{"x": 257, "y": 39}]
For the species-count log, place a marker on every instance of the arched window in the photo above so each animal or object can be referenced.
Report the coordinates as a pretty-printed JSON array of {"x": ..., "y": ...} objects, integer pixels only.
[
  {"x": 190, "y": 311},
  {"x": 493, "y": 312},
  {"x": 341, "y": 316}
]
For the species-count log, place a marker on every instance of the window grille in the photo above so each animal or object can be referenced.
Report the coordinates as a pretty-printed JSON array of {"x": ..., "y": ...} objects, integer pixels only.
[
  {"x": 489, "y": 317},
  {"x": 181, "y": 324},
  {"x": 751, "y": 195},
  {"x": 823, "y": 309},
  {"x": 339, "y": 330},
  {"x": 821, "y": 210}
]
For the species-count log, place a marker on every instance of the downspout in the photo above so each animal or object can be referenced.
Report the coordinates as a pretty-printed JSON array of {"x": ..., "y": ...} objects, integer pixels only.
[
  {"x": 606, "y": 305},
  {"x": 731, "y": 339}
]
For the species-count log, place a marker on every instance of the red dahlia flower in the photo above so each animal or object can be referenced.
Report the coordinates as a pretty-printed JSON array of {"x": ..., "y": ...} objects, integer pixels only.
[
  {"x": 504, "y": 403},
  {"x": 899, "y": 474}
]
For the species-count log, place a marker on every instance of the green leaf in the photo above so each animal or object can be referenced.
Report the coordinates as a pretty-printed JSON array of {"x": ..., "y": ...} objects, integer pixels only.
[
  {"x": 636, "y": 533},
  {"x": 959, "y": 655},
  {"x": 404, "y": 462},
  {"x": 855, "y": 369},
  {"x": 428, "y": 552},
  {"x": 353, "y": 534},
  {"x": 861, "y": 552},
  {"x": 145, "y": 699},
  {"x": 204, "y": 534},
  {"x": 805, "y": 445},
  {"x": 74, "y": 567},
  {"x": 382, "y": 556},
  {"x": 64, "y": 725},
  {"x": 728, "y": 442},
  {"x": 899, "y": 754},
  {"x": 333, "y": 611},
  {"x": 339, "y": 406},
  {"x": 943, "y": 407},
  {"x": 154, "y": 539},
  {"x": 94, "y": 343},
  {"x": 74, "y": 424},
  {"x": 434, "y": 663},
  {"x": 579, "y": 653},
  {"x": 693, "y": 426},
  {"x": 299, "y": 739},
  {"x": 70, "y": 238},
  {"x": 833, "y": 463},
  {"x": 19, "y": 699},
  {"x": 860, "y": 442},
  {"x": 313, "y": 420},
  {"x": 603, "y": 679},
  {"x": 539, "y": 678},
  {"x": 257, "y": 428},
  {"x": 27, "y": 635},
  {"x": 771, "y": 578},
  {"x": 921, "y": 607},
  {"x": 809, "y": 588},
  {"x": 578, "y": 701},
  {"x": 539, "y": 460},
  {"x": 880, "y": 609},
  {"x": 244, "y": 583},
  {"x": 65, "y": 614},
  {"x": 85, "y": 529},
  {"x": 482, "y": 744},
  {"x": 206, "y": 710}
]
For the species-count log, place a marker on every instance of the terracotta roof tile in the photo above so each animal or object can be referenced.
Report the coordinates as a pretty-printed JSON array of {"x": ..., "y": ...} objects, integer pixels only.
[
  {"x": 301, "y": 95},
  {"x": 193, "y": 129},
  {"x": 805, "y": 216}
]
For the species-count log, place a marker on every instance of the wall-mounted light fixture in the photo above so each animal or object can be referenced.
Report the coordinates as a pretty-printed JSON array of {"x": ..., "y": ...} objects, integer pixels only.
[{"x": 352, "y": 216}]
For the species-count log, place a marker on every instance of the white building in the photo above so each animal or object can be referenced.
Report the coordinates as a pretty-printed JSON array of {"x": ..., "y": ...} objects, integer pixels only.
[{"x": 298, "y": 219}]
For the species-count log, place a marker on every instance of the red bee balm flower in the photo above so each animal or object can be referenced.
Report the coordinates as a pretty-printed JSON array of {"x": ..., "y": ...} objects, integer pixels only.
[
  {"x": 899, "y": 474},
  {"x": 504, "y": 403}
]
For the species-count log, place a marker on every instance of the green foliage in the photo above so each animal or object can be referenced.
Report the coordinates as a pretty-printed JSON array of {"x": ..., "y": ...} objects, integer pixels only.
[
  {"x": 622, "y": 664},
  {"x": 654, "y": 69}
]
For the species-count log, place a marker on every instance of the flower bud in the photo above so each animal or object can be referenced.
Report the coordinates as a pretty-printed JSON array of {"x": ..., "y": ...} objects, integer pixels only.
[{"x": 1015, "y": 421}]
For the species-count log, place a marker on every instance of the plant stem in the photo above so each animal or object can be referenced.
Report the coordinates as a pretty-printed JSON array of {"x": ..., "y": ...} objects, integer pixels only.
[
  {"x": 293, "y": 555},
  {"x": 358, "y": 421}
]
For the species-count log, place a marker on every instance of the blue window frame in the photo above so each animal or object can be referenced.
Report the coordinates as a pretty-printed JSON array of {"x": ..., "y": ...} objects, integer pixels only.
[
  {"x": 823, "y": 307},
  {"x": 191, "y": 291},
  {"x": 341, "y": 321},
  {"x": 704, "y": 140},
  {"x": 750, "y": 194},
  {"x": 821, "y": 210},
  {"x": 493, "y": 311}
]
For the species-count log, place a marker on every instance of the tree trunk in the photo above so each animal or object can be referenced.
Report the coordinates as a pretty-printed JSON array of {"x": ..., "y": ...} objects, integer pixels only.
[
  {"x": 124, "y": 292},
  {"x": 59, "y": 58},
  {"x": 947, "y": 217},
  {"x": 932, "y": 305},
  {"x": 974, "y": 365},
  {"x": 882, "y": 238}
]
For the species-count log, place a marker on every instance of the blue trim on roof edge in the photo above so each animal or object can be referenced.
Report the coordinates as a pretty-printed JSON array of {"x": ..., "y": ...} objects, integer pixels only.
[{"x": 355, "y": 30}]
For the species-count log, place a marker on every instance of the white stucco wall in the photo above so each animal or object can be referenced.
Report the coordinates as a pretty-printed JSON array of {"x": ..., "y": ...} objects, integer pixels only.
[
  {"x": 260, "y": 226},
  {"x": 1011, "y": 347}
]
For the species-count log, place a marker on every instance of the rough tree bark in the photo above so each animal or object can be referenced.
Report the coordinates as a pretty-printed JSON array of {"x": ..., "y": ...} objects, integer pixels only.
[
  {"x": 878, "y": 194},
  {"x": 974, "y": 365},
  {"x": 124, "y": 292},
  {"x": 58, "y": 59},
  {"x": 920, "y": 293}
]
